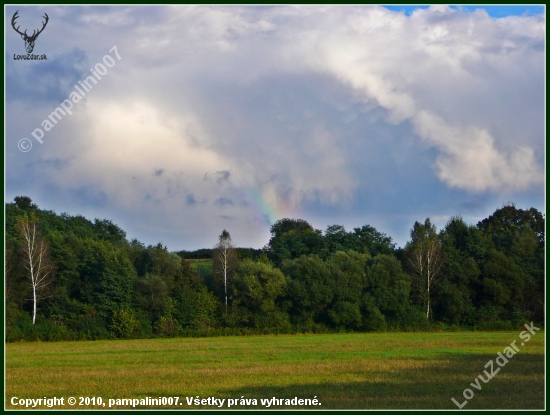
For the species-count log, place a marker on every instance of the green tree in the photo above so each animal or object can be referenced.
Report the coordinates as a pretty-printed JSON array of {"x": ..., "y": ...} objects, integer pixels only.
[
  {"x": 348, "y": 276},
  {"x": 373, "y": 241},
  {"x": 519, "y": 234},
  {"x": 206, "y": 306},
  {"x": 152, "y": 294},
  {"x": 17, "y": 287},
  {"x": 337, "y": 239},
  {"x": 257, "y": 290},
  {"x": 310, "y": 288},
  {"x": 456, "y": 297},
  {"x": 108, "y": 231},
  {"x": 292, "y": 238},
  {"x": 387, "y": 292},
  {"x": 509, "y": 217},
  {"x": 124, "y": 322},
  {"x": 24, "y": 203},
  {"x": 107, "y": 277}
]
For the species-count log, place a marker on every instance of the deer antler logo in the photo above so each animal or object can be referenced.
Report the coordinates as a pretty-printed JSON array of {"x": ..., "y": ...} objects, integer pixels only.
[{"x": 29, "y": 40}]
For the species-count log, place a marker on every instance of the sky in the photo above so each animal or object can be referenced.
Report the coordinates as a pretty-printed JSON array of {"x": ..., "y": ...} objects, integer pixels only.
[{"x": 197, "y": 119}]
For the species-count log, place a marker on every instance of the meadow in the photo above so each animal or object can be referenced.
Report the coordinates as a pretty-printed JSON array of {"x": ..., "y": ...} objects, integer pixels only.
[
  {"x": 202, "y": 267},
  {"x": 342, "y": 371}
]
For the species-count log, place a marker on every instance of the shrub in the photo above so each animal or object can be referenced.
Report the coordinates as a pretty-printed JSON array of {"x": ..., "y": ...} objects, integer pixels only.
[
  {"x": 124, "y": 323},
  {"x": 167, "y": 326}
]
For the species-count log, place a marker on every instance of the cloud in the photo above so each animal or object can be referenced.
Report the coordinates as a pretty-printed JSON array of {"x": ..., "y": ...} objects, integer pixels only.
[
  {"x": 465, "y": 49},
  {"x": 223, "y": 201},
  {"x": 469, "y": 159},
  {"x": 57, "y": 75},
  {"x": 219, "y": 177},
  {"x": 255, "y": 113},
  {"x": 55, "y": 163},
  {"x": 89, "y": 195}
]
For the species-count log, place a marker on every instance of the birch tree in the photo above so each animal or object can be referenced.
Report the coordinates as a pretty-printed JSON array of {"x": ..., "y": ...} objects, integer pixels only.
[
  {"x": 225, "y": 260},
  {"x": 35, "y": 258},
  {"x": 426, "y": 258}
]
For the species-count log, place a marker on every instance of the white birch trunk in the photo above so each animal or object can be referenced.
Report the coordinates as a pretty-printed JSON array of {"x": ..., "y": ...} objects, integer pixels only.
[
  {"x": 35, "y": 259},
  {"x": 225, "y": 255}
]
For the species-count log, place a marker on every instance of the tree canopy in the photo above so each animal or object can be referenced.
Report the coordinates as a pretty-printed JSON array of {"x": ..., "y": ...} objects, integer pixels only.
[{"x": 103, "y": 286}]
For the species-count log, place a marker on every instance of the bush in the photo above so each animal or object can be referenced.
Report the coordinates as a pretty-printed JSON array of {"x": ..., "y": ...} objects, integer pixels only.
[
  {"x": 346, "y": 314},
  {"x": 50, "y": 331},
  {"x": 19, "y": 325},
  {"x": 206, "y": 307},
  {"x": 415, "y": 320},
  {"x": 167, "y": 326},
  {"x": 375, "y": 321},
  {"x": 91, "y": 327},
  {"x": 274, "y": 321},
  {"x": 124, "y": 323}
]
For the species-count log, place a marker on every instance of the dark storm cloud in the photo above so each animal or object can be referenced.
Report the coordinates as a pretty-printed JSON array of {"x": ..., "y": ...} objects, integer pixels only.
[
  {"x": 90, "y": 196},
  {"x": 51, "y": 81},
  {"x": 223, "y": 201},
  {"x": 190, "y": 200}
]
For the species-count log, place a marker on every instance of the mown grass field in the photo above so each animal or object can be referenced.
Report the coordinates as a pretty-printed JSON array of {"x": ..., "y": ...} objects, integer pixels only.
[{"x": 344, "y": 371}]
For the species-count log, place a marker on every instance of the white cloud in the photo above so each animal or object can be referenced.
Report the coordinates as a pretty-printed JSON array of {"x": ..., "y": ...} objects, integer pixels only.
[
  {"x": 469, "y": 159},
  {"x": 299, "y": 104},
  {"x": 390, "y": 58}
]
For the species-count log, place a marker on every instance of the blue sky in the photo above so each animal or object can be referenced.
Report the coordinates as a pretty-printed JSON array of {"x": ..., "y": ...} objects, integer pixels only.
[
  {"x": 234, "y": 117},
  {"x": 493, "y": 11}
]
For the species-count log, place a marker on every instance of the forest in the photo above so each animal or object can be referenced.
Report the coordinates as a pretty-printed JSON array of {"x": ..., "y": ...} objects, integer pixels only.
[{"x": 70, "y": 278}]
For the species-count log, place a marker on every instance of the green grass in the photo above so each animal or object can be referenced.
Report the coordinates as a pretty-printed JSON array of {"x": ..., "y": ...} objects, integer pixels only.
[
  {"x": 201, "y": 266},
  {"x": 199, "y": 261},
  {"x": 352, "y": 371}
]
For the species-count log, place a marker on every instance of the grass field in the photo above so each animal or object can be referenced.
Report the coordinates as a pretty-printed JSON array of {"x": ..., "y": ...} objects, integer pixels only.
[
  {"x": 201, "y": 266},
  {"x": 352, "y": 371}
]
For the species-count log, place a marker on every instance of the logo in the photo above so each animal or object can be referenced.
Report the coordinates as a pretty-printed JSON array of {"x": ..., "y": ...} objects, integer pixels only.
[{"x": 29, "y": 40}]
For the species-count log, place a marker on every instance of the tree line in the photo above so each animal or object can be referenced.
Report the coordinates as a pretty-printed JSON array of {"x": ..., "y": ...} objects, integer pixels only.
[{"x": 69, "y": 278}]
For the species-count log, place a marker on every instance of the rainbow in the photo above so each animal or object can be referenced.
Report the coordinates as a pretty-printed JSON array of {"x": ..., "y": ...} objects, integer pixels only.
[{"x": 268, "y": 206}]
